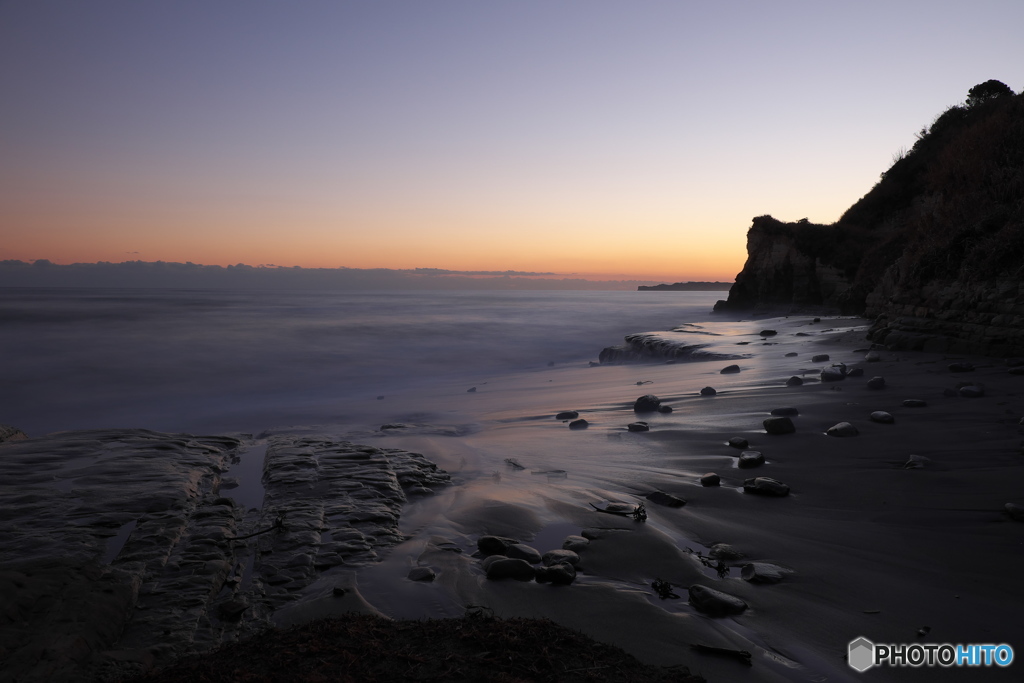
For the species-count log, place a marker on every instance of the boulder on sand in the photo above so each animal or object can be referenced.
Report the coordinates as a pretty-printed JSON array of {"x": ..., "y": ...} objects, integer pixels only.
[
  {"x": 715, "y": 603},
  {"x": 765, "y": 486},
  {"x": 647, "y": 403},
  {"x": 779, "y": 425}
]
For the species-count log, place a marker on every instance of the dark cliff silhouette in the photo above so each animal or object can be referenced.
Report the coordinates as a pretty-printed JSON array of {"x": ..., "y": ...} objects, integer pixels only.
[{"x": 935, "y": 251}]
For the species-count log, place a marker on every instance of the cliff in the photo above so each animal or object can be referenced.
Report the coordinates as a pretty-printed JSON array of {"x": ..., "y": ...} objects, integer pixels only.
[{"x": 934, "y": 252}]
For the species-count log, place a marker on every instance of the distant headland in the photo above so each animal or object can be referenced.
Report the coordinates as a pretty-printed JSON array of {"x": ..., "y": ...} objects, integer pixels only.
[{"x": 687, "y": 287}]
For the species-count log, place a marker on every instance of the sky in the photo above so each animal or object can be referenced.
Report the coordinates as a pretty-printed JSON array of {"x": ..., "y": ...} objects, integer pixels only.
[{"x": 592, "y": 138}]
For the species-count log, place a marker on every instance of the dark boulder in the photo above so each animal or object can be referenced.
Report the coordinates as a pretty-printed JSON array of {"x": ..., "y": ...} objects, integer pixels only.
[
  {"x": 710, "y": 479},
  {"x": 779, "y": 425},
  {"x": 715, "y": 603},
  {"x": 765, "y": 486},
  {"x": 750, "y": 459},
  {"x": 648, "y": 403}
]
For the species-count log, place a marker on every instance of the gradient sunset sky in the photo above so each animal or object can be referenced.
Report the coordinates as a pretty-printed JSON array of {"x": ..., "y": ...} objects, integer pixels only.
[{"x": 608, "y": 139}]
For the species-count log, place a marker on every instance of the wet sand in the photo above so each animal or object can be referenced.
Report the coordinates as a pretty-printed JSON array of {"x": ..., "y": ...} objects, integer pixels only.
[{"x": 871, "y": 548}]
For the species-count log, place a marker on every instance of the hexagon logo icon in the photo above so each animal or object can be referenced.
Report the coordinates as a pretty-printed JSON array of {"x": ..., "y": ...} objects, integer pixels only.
[{"x": 861, "y": 656}]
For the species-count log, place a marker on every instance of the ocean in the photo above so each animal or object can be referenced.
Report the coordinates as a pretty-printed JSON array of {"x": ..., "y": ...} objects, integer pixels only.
[{"x": 244, "y": 362}]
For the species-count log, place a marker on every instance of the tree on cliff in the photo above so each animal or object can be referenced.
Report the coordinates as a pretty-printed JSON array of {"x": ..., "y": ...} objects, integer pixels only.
[{"x": 983, "y": 92}]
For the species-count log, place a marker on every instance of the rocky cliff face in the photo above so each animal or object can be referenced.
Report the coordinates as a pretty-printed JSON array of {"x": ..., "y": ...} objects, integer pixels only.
[
  {"x": 784, "y": 268},
  {"x": 934, "y": 252}
]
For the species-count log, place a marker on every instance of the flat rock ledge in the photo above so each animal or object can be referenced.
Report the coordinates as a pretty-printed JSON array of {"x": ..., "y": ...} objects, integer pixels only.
[{"x": 119, "y": 549}]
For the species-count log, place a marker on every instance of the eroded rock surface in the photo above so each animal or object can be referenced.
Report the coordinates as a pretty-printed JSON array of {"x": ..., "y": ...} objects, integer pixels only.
[{"x": 121, "y": 550}]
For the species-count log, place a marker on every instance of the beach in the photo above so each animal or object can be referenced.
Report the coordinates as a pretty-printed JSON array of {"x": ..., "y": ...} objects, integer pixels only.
[{"x": 869, "y": 542}]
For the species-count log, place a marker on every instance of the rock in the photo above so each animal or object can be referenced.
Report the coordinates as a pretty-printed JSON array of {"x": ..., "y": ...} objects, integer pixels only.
[
  {"x": 521, "y": 551},
  {"x": 708, "y": 391},
  {"x": 873, "y": 357},
  {"x": 794, "y": 381},
  {"x": 471, "y": 390},
  {"x": 738, "y": 442},
  {"x": 761, "y": 572},
  {"x": 715, "y": 603},
  {"x": 710, "y": 479},
  {"x": 765, "y": 486},
  {"x": 422, "y": 574},
  {"x": 961, "y": 367},
  {"x": 567, "y": 415},
  {"x": 729, "y": 369},
  {"x": 494, "y": 545},
  {"x": 666, "y": 499},
  {"x": 915, "y": 403},
  {"x": 834, "y": 373},
  {"x": 508, "y": 568},
  {"x": 638, "y": 427},
  {"x": 9, "y": 433},
  {"x": 785, "y": 412},
  {"x": 842, "y": 429},
  {"x": 750, "y": 459},
  {"x": 779, "y": 425},
  {"x": 820, "y": 358},
  {"x": 561, "y": 574},
  {"x": 339, "y": 591},
  {"x": 816, "y": 320},
  {"x": 882, "y": 417},
  {"x": 916, "y": 462},
  {"x": 231, "y": 610},
  {"x": 664, "y": 409},
  {"x": 1015, "y": 511},
  {"x": 855, "y": 372},
  {"x": 724, "y": 551},
  {"x": 768, "y": 333},
  {"x": 556, "y": 556},
  {"x": 971, "y": 391},
  {"x": 579, "y": 424},
  {"x": 648, "y": 403},
  {"x": 791, "y": 354},
  {"x": 876, "y": 383},
  {"x": 575, "y": 543}
]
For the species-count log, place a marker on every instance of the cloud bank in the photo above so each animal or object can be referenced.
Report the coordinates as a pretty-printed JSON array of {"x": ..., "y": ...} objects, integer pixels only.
[{"x": 161, "y": 274}]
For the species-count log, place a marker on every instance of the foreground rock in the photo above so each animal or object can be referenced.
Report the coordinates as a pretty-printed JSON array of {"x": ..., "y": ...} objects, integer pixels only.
[
  {"x": 842, "y": 429},
  {"x": 761, "y": 572},
  {"x": 648, "y": 403},
  {"x": 714, "y": 602},
  {"x": 765, "y": 486},
  {"x": 749, "y": 459},
  {"x": 130, "y": 528},
  {"x": 710, "y": 479},
  {"x": 779, "y": 425}
]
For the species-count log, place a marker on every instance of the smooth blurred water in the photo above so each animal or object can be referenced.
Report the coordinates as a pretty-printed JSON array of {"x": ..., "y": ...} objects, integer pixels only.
[{"x": 184, "y": 360}]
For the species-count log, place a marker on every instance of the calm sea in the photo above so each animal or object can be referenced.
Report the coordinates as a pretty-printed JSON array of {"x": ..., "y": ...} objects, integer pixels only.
[{"x": 217, "y": 361}]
